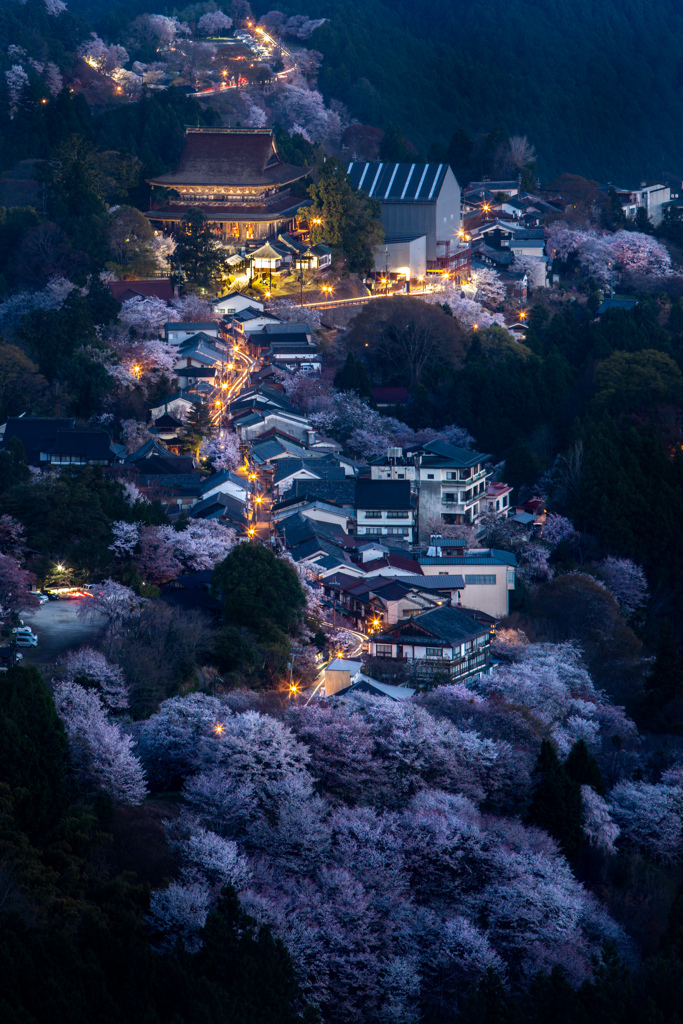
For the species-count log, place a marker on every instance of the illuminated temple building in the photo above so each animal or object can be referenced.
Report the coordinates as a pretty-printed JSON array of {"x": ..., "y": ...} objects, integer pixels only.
[{"x": 239, "y": 180}]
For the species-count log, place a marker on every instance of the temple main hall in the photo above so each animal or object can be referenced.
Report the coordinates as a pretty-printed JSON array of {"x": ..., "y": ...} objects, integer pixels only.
[{"x": 237, "y": 177}]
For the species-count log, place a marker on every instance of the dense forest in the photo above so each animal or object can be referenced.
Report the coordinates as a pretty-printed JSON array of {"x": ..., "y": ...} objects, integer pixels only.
[{"x": 595, "y": 87}]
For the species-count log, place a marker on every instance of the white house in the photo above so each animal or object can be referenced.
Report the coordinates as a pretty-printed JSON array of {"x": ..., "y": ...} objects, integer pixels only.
[
  {"x": 235, "y": 302},
  {"x": 178, "y": 331}
]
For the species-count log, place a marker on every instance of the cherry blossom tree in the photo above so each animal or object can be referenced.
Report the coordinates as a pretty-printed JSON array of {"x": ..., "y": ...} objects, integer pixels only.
[
  {"x": 626, "y": 581},
  {"x": 599, "y": 255},
  {"x": 132, "y": 493},
  {"x": 103, "y": 58},
  {"x": 101, "y": 752},
  {"x": 222, "y": 452},
  {"x": 55, "y": 7},
  {"x": 52, "y": 296},
  {"x": 533, "y": 564},
  {"x": 179, "y": 911},
  {"x": 598, "y": 826},
  {"x": 146, "y": 315},
  {"x": 113, "y": 600},
  {"x": 53, "y": 79},
  {"x": 201, "y": 545},
  {"x": 556, "y": 529},
  {"x": 166, "y": 29},
  {"x": 125, "y": 538},
  {"x": 15, "y": 588},
  {"x": 93, "y": 665},
  {"x": 214, "y": 23},
  {"x": 192, "y": 308},
  {"x": 156, "y": 558},
  {"x": 17, "y": 80},
  {"x": 489, "y": 287},
  {"x": 134, "y": 434},
  {"x": 649, "y": 817},
  {"x": 304, "y": 107},
  {"x": 170, "y": 742},
  {"x": 12, "y": 535},
  {"x": 207, "y": 858}
]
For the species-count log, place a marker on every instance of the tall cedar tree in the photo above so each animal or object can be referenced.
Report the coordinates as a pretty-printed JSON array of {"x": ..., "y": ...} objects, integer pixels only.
[
  {"x": 34, "y": 752},
  {"x": 556, "y": 804},
  {"x": 350, "y": 221},
  {"x": 583, "y": 769},
  {"x": 197, "y": 254}
]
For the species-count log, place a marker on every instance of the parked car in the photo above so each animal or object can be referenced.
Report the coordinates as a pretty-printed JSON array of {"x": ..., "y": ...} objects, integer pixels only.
[
  {"x": 43, "y": 598},
  {"x": 24, "y": 640},
  {"x": 51, "y": 596},
  {"x": 23, "y": 629}
]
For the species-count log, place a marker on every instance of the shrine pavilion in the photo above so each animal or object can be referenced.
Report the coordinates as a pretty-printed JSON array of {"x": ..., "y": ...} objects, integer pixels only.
[{"x": 239, "y": 180}]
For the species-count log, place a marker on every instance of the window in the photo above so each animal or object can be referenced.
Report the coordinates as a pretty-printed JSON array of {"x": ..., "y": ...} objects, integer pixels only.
[
  {"x": 475, "y": 580},
  {"x": 467, "y": 646},
  {"x": 511, "y": 579},
  {"x": 450, "y": 496},
  {"x": 430, "y": 476},
  {"x": 465, "y": 474},
  {"x": 372, "y": 531},
  {"x": 400, "y": 476},
  {"x": 506, "y": 499},
  {"x": 398, "y": 531},
  {"x": 398, "y": 515},
  {"x": 373, "y": 515},
  {"x": 383, "y": 650},
  {"x": 434, "y": 652},
  {"x": 451, "y": 476}
]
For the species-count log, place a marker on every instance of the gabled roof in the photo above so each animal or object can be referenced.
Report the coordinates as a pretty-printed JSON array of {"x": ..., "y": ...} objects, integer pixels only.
[
  {"x": 491, "y": 557},
  {"x": 230, "y": 156},
  {"x": 364, "y": 684},
  {"x": 402, "y": 182},
  {"x": 446, "y": 624},
  {"x": 220, "y": 505},
  {"x": 155, "y": 447},
  {"x": 270, "y": 251},
  {"x": 319, "y": 468}
]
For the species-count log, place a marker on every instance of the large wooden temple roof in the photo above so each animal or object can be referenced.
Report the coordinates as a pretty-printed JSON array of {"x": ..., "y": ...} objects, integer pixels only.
[{"x": 230, "y": 157}]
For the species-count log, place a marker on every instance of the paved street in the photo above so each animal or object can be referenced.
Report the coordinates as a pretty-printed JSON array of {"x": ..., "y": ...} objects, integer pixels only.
[{"x": 58, "y": 629}]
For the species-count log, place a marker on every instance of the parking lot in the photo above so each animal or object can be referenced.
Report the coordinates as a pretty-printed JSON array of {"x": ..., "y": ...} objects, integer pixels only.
[{"x": 58, "y": 628}]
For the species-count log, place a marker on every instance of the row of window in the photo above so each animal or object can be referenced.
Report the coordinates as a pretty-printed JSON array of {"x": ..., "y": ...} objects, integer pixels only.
[
  {"x": 376, "y": 531},
  {"x": 390, "y": 515},
  {"x": 478, "y": 580}
]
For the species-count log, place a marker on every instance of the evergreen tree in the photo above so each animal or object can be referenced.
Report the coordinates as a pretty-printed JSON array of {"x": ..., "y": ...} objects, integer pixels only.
[
  {"x": 258, "y": 589},
  {"x": 349, "y": 220},
  {"x": 393, "y": 147},
  {"x": 556, "y": 803},
  {"x": 34, "y": 752},
  {"x": 583, "y": 769},
  {"x": 197, "y": 255}
]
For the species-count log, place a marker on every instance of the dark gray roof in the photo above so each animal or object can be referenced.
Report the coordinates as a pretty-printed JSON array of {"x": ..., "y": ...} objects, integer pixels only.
[
  {"x": 446, "y": 624},
  {"x": 36, "y": 433},
  {"x": 321, "y": 468},
  {"x": 383, "y": 494},
  {"x": 223, "y": 505},
  {"x": 449, "y": 582},
  {"x": 392, "y": 182},
  {"x": 616, "y": 304},
  {"x": 341, "y": 492},
  {"x": 448, "y": 454},
  {"x": 87, "y": 444},
  {"x": 496, "y": 557},
  {"x": 181, "y": 325}
]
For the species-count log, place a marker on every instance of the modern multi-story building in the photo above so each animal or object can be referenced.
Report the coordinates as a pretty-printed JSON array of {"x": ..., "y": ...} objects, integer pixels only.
[
  {"x": 420, "y": 206},
  {"x": 451, "y": 483}
]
